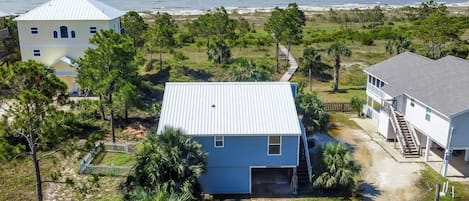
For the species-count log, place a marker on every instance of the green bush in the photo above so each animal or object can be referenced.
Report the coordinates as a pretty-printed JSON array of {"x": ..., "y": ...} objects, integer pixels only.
[
  {"x": 315, "y": 117},
  {"x": 366, "y": 38}
]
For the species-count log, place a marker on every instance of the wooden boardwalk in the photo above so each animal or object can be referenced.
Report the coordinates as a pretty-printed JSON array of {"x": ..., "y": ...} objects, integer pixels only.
[{"x": 292, "y": 63}]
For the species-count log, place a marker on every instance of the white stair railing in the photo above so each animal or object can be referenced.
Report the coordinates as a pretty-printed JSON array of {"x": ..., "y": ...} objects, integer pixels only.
[
  {"x": 413, "y": 134},
  {"x": 397, "y": 129}
]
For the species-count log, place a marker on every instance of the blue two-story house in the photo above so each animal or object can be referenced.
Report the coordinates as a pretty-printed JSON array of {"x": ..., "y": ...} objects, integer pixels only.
[{"x": 250, "y": 131}]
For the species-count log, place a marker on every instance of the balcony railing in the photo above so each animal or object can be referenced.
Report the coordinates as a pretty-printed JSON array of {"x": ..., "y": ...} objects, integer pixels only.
[{"x": 375, "y": 90}]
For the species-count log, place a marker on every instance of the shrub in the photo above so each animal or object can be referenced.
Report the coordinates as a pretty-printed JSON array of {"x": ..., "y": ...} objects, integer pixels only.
[
  {"x": 315, "y": 117},
  {"x": 185, "y": 37},
  {"x": 357, "y": 104},
  {"x": 367, "y": 39},
  {"x": 342, "y": 171}
]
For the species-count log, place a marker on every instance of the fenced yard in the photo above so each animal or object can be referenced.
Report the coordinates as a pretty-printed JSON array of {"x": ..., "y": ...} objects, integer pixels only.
[
  {"x": 109, "y": 159},
  {"x": 338, "y": 107}
]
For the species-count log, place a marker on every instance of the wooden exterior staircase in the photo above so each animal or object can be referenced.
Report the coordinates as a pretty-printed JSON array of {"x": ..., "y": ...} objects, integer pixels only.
[
  {"x": 302, "y": 170},
  {"x": 405, "y": 134}
]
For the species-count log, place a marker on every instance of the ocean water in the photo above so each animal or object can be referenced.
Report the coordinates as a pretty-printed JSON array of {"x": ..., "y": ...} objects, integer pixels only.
[{"x": 197, "y": 6}]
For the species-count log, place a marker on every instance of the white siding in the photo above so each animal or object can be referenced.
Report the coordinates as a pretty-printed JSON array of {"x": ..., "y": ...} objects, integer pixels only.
[
  {"x": 401, "y": 104},
  {"x": 52, "y": 48},
  {"x": 438, "y": 126},
  {"x": 460, "y": 138}
]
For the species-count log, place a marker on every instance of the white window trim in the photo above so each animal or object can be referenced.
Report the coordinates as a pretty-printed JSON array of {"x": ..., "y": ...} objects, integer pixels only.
[
  {"x": 428, "y": 112},
  {"x": 96, "y": 29},
  {"x": 38, "y": 51},
  {"x": 215, "y": 141},
  {"x": 31, "y": 30},
  {"x": 280, "y": 144}
]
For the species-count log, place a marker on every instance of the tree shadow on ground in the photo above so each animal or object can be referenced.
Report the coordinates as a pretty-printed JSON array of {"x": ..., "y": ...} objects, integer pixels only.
[
  {"x": 319, "y": 72},
  {"x": 159, "y": 77},
  {"x": 198, "y": 74},
  {"x": 150, "y": 92},
  {"x": 344, "y": 91},
  {"x": 368, "y": 191}
]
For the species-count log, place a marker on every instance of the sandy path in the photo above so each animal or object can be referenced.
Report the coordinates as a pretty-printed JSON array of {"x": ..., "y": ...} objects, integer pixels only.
[{"x": 383, "y": 178}]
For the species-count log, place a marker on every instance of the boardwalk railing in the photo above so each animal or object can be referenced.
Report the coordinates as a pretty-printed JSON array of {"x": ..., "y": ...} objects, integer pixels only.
[{"x": 338, "y": 107}]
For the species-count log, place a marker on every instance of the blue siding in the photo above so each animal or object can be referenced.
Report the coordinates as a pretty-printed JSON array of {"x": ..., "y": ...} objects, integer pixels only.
[
  {"x": 294, "y": 89},
  {"x": 226, "y": 180},
  {"x": 228, "y": 167}
]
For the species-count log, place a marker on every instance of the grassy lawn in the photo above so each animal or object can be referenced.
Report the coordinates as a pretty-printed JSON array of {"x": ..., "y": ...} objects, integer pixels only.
[
  {"x": 429, "y": 180},
  {"x": 18, "y": 181},
  {"x": 114, "y": 159}
]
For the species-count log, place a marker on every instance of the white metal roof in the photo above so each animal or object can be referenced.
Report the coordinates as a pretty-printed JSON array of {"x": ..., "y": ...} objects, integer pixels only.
[
  {"x": 230, "y": 108},
  {"x": 71, "y": 10}
]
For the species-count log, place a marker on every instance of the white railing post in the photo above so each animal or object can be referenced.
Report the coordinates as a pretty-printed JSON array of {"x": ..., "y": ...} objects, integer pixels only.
[
  {"x": 414, "y": 136},
  {"x": 397, "y": 129}
]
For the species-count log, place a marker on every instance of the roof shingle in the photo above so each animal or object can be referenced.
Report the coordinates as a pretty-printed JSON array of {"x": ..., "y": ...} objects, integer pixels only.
[{"x": 441, "y": 84}]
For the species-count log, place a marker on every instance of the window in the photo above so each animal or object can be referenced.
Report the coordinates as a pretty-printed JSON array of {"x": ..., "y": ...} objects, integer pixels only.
[
  {"x": 63, "y": 32},
  {"x": 73, "y": 34},
  {"x": 37, "y": 53},
  {"x": 412, "y": 102},
  {"x": 369, "y": 78},
  {"x": 34, "y": 30},
  {"x": 219, "y": 141},
  {"x": 376, "y": 106},
  {"x": 93, "y": 30},
  {"x": 55, "y": 34},
  {"x": 428, "y": 114},
  {"x": 274, "y": 145},
  {"x": 382, "y": 84},
  {"x": 374, "y": 81},
  {"x": 378, "y": 82}
]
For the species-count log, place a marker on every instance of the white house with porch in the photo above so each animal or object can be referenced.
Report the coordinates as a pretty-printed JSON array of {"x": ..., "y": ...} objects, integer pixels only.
[
  {"x": 419, "y": 102},
  {"x": 57, "y": 32}
]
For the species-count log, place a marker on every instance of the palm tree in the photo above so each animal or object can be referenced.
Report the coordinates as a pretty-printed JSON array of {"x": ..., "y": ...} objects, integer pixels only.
[
  {"x": 314, "y": 113},
  {"x": 336, "y": 50},
  {"x": 310, "y": 58},
  {"x": 341, "y": 169},
  {"x": 399, "y": 44},
  {"x": 170, "y": 156},
  {"x": 246, "y": 70}
]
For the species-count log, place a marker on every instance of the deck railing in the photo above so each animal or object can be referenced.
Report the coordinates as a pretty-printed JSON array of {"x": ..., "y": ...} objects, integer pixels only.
[
  {"x": 306, "y": 148},
  {"x": 375, "y": 90}
]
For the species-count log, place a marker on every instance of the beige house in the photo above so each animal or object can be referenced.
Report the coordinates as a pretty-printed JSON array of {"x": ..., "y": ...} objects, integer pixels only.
[{"x": 57, "y": 32}]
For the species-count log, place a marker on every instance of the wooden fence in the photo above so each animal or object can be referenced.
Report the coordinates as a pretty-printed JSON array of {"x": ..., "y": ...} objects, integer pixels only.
[{"x": 338, "y": 107}]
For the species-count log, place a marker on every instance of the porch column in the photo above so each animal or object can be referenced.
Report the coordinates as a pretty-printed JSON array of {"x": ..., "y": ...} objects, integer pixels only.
[
  {"x": 427, "y": 148},
  {"x": 466, "y": 155},
  {"x": 446, "y": 159}
]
